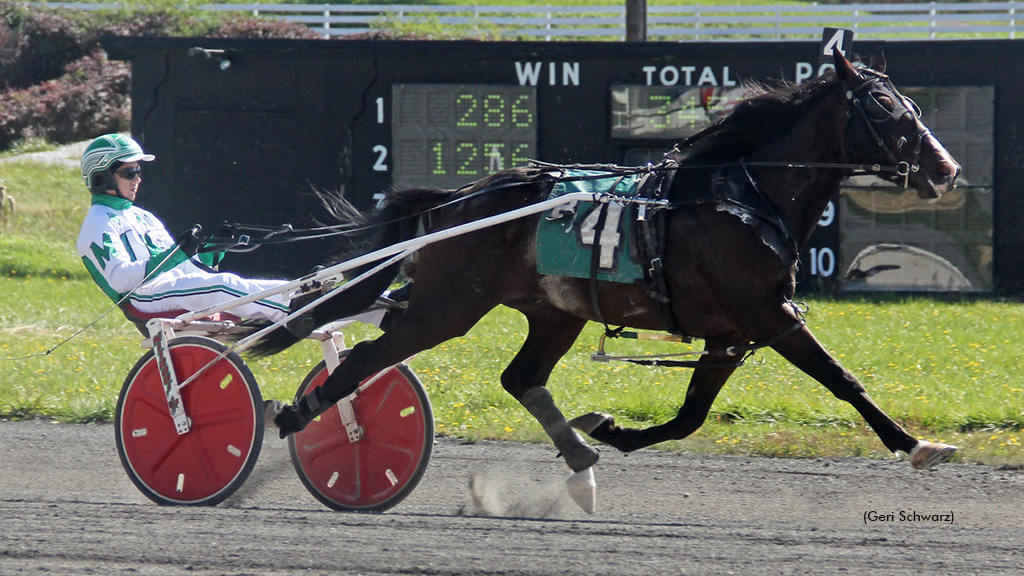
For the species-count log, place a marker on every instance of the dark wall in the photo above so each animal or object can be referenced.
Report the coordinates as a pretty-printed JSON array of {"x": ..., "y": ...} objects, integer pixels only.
[{"x": 249, "y": 142}]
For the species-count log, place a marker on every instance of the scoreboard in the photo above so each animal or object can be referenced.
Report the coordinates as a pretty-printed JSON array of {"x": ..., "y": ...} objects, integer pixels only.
[{"x": 244, "y": 129}]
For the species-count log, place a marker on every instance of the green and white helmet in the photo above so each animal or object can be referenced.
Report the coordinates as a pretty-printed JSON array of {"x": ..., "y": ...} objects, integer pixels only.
[{"x": 102, "y": 153}]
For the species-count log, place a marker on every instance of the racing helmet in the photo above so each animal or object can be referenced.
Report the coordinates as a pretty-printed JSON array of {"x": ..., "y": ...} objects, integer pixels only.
[{"x": 101, "y": 154}]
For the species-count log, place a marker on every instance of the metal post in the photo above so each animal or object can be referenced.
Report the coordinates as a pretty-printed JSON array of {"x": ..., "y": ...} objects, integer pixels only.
[
  {"x": 636, "y": 20},
  {"x": 1013, "y": 20}
]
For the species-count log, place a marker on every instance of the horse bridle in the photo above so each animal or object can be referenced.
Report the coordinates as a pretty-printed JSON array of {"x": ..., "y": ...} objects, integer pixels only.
[
  {"x": 860, "y": 98},
  {"x": 856, "y": 98}
]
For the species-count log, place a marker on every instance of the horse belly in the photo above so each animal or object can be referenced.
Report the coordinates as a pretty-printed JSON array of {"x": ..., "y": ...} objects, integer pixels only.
[
  {"x": 621, "y": 304},
  {"x": 563, "y": 293}
]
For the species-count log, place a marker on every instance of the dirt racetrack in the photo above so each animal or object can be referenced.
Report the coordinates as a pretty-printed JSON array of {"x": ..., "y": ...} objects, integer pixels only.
[{"x": 66, "y": 507}]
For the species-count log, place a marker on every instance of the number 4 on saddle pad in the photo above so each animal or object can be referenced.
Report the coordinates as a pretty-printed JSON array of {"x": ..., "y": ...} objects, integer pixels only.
[{"x": 567, "y": 236}]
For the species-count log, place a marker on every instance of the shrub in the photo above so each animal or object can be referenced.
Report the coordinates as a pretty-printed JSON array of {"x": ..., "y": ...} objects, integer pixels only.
[
  {"x": 90, "y": 98},
  {"x": 157, "y": 22},
  {"x": 42, "y": 42},
  {"x": 263, "y": 28},
  {"x": 57, "y": 85}
]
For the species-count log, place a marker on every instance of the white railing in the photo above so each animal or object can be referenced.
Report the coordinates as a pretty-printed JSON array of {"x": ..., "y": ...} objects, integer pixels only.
[{"x": 779, "y": 22}]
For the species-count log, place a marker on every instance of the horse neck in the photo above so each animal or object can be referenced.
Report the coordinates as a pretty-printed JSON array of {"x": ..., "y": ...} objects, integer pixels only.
[{"x": 801, "y": 194}]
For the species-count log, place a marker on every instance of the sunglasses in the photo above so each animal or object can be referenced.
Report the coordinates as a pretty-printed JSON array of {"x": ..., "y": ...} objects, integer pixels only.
[{"x": 130, "y": 173}]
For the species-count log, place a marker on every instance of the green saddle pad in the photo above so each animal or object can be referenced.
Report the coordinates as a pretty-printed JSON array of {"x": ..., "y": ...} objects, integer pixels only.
[{"x": 566, "y": 236}]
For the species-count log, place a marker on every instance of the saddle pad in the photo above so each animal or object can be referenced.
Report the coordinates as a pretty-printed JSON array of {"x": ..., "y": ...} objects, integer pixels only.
[{"x": 566, "y": 235}]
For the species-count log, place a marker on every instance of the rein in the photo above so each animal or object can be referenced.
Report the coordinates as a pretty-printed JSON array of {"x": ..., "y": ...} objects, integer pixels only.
[{"x": 248, "y": 243}]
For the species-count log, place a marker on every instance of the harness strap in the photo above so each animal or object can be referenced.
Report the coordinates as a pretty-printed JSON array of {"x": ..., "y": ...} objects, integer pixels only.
[
  {"x": 651, "y": 234},
  {"x": 660, "y": 359},
  {"x": 595, "y": 258},
  {"x": 773, "y": 215}
]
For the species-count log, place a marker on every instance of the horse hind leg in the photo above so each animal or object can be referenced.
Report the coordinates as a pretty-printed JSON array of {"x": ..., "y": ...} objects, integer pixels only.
[
  {"x": 578, "y": 455},
  {"x": 552, "y": 333},
  {"x": 430, "y": 320}
]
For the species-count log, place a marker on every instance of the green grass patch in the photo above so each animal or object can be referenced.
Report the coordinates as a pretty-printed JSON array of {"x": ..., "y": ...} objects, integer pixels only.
[
  {"x": 22, "y": 256},
  {"x": 50, "y": 202}
]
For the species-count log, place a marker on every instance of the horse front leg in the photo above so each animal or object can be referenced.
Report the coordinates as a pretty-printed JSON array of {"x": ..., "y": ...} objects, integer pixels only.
[
  {"x": 804, "y": 351},
  {"x": 705, "y": 384}
]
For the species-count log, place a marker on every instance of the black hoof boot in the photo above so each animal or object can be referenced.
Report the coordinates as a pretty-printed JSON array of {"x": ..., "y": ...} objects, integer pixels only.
[
  {"x": 288, "y": 421},
  {"x": 399, "y": 301},
  {"x": 401, "y": 294},
  {"x": 294, "y": 417}
]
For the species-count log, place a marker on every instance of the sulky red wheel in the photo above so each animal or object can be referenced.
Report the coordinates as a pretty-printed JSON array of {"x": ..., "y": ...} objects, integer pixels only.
[
  {"x": 382, "y": 465},
  {"x": 211, "y": 461}
]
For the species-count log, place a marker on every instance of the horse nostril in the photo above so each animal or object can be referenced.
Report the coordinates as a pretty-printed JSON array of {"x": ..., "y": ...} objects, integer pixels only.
[{"x": 949, "y": 169}]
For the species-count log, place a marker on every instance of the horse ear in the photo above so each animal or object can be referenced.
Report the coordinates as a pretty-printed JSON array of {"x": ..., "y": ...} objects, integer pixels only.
[
  {"x": 878, "y": 61},
  {"x": 844, "y": 70}
]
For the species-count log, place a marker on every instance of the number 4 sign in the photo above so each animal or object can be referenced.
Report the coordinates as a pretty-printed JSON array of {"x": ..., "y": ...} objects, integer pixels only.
[{"x": 835, "y": 38}]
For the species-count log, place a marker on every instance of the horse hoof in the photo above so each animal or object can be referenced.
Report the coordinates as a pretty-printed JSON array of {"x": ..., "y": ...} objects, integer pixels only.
[
  {"x": 590, "y": 422},
  {"x": 271, "y": 408},
  {"x": 583, "y": 490},
  {"x": 928, "y": 454},
  {"x": 288, "y": 421}
]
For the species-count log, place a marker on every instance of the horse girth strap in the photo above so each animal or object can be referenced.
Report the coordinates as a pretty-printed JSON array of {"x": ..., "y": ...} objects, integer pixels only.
[
  {"x": 651, "y": 244},
  {"x": 595, "y": 259}
]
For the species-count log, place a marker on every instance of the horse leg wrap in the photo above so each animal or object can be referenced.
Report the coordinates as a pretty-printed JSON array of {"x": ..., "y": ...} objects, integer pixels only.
[
  {"x": 295, "y": 417},
  {"x": 578, "y": 455}
]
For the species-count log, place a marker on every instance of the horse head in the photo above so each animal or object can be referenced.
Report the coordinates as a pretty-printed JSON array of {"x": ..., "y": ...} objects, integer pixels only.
[{"x": 886, "y": 129}]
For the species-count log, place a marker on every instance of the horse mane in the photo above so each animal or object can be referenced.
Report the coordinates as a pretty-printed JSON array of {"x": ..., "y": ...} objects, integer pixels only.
[{"x": 758, "y": 119}]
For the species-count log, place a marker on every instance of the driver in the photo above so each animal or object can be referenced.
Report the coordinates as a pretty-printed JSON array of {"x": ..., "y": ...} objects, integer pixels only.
[{"x": 128, "y": 251}]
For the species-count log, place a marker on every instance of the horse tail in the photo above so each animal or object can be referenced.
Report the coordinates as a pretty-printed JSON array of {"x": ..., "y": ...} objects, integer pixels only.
[
  {"x": 394, "y": 220},
  {"x": 278, "y": 340}
]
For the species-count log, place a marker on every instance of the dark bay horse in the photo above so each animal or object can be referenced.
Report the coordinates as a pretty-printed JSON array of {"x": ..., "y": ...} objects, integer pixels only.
[{"x": 746, "y": 194}]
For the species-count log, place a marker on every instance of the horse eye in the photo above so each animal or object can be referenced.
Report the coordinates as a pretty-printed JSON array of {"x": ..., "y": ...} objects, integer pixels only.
[
  {"x": 884, "y": 101},
  {"x": 879, "y": 106}
]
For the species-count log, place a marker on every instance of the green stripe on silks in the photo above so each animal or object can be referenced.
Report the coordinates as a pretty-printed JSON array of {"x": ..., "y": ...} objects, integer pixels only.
[
  {"x": 101, "y": 281},
  {"x": 566, "y": 236},
  {"x": 205, "y": 290}
]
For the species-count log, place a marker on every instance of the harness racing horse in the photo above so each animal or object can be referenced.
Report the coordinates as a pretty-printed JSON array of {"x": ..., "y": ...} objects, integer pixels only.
[{"x": 745, "y": 195}]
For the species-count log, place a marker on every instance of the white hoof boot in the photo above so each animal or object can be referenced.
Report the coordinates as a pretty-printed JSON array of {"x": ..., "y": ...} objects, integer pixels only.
[
  {"x": 583, "y": 489},
  {"x": 928, "y": 454}
]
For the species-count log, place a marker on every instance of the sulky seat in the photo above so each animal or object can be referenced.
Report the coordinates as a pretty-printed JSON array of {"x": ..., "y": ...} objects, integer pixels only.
[{"x": 139, "y": 318}]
